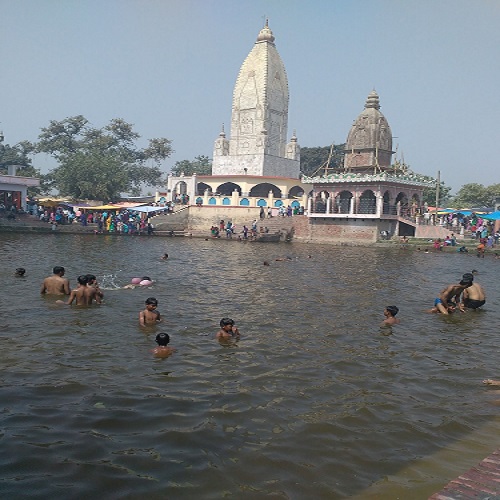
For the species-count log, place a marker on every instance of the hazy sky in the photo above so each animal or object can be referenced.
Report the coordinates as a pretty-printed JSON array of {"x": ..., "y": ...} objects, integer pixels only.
[{"x": 169, "y": 67}]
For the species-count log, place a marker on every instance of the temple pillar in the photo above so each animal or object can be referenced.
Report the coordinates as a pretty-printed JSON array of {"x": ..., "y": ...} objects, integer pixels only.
[
  {"x": 329, "y": 205},
  {"x": 234, "y": 198},
  {"x": 309, "y": 205},
  {"x": 270, "y": 199},
  {"x": 380, "y": 205},
  {"x": 352, "y": 203}
]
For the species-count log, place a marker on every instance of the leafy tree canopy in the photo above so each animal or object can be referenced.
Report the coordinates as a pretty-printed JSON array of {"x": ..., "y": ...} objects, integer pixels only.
[
  {"x": 19, "y": 155},
  {"x": 476, "y": 195},
  {"x": 201, "y": 165},
  {"x": 100, "y": 163},
  {"x": 312, "y": 159},
  {"x": 16, "y": 155}
]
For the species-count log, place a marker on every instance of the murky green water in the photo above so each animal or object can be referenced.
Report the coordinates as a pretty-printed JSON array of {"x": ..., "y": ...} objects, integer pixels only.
[{"x": 314, "y": 401}]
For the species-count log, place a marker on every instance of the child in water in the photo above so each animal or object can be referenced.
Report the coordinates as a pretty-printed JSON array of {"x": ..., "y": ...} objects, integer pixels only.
[
  {"x": 451, "y": 307},
  {"x": 390, "y": 316},
  {"x": 83, "y": 295},
  {"x": 227, "y": 329},
  {"x": 150, "y": 315},
  {"x": 162, "y": 351},
  {"x": 20, "y": 271}
]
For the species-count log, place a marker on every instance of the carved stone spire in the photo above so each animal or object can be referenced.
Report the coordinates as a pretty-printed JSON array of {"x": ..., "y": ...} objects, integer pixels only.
[
  {"x": 369, "y": 143},
  {"x": 259, "y": 119}
]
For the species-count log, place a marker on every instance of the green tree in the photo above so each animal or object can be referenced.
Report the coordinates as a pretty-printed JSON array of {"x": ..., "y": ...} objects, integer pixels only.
[
  {"x": 493, "y": 194},
  {"x": 16, "y": 155},
  {"x": 472, "y": 196},
  {"x": 201, "y": 165},
  {"x": 312, "y": 159},
  {"x": 100, "y": 164},
  {"x": 19, "y": 155}
]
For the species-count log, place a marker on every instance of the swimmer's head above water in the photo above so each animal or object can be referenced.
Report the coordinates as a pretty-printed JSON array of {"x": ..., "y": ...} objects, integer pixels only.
[
  {"x": 392, "y": 310},
  {"x": 162, "y": 339},
  {"x": 82, "y": 279},
  {"x": 20, "y": 271}
]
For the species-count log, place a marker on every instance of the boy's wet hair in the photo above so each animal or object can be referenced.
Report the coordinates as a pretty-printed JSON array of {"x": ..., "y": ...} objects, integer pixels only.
[
  {"x": 20, "y": 271},
  {"x": 58, "y": 270},
  {"x": 146, "y": 278},
  {"x": 226, "y": 321},
  {"x": 151, "y": 301},
  {"x": 82, "y": 279},
  {"x": 393, "y": 310},
  {"x": 162, "y": 339},
  {"x": 90, "y": 278}
]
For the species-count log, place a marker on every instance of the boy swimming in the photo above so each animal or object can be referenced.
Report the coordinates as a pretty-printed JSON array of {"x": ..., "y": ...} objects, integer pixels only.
[
  {"x": 390, "y": 316},
  {"x": 20, "y": 271},
  {"x": 83, "y": 295},
  {"x": 452, "y": 293},
  {"x": 227, "y": 329},
  {"x": 56, "y": 284},
  {"x": 162, "y": 351},
  {"x": 150, "y": 315}
]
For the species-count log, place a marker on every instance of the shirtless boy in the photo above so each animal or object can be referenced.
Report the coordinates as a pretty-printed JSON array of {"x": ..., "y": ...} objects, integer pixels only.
[
  {"x": 81, "y": 294},
  {"x": 150, "y": 315},
  {"x": 56, "y": 284},
  {"x": 450, "y": 292},
  {"x": 227, "y": 329},
  {"x": 163, "y": 350},
  {"x": 474, "y": 296},
  {"x": 94, "y": 292},
  {"x": 390, "y": 316}
]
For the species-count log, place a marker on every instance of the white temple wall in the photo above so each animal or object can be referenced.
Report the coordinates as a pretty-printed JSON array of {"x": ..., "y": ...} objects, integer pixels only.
[{"x": 256, "y": 164}]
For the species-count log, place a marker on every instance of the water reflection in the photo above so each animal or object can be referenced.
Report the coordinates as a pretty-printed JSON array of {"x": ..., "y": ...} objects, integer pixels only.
[{"x": 314, "y": 399}]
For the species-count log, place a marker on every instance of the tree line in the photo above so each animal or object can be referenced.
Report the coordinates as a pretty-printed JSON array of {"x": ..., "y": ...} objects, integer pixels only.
[{"x": 102, "y": 163}]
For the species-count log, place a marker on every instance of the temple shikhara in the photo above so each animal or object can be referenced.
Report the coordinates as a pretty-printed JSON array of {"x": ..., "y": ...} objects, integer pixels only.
[{"x": 256, "y": 166}]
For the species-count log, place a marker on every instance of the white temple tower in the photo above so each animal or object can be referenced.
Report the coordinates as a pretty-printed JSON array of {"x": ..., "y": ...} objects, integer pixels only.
[{"x": 259, "y": 123}]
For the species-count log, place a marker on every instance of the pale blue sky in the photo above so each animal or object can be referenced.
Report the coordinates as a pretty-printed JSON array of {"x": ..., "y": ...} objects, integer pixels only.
[{"x": 169, "y": 67}]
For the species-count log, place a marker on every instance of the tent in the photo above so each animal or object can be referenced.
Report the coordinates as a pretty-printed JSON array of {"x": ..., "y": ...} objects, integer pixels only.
[
  {"x": 493, "y": 216},
  {"x": 147, "y": 209}
]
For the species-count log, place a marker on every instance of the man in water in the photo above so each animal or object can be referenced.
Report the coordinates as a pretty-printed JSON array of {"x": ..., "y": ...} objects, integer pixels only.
[
  {"x": 473, "y": 296},
  {"x": 56, "y": 284},
  {"x": 450, "y": 292}
]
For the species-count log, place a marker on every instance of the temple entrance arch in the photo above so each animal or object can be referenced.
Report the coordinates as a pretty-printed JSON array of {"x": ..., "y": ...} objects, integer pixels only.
[
  {"x": 367, "y": 202},
  {"x": 343, "y": 202},
  {"x": 179, "y": 194},
  {"x": 320, "y": 202},
  {"x": 263, "y": 190},
  {"x": 227, "y": 189},
  {"x": 180, "y": 188}
]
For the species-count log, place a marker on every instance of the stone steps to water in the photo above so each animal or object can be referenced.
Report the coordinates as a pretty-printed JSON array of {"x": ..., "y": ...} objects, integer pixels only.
[{"x": 433, "y": 232}]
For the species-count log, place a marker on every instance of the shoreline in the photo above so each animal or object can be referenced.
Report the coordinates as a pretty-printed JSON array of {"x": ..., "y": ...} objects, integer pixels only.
[{"x": 413, "y": 244}]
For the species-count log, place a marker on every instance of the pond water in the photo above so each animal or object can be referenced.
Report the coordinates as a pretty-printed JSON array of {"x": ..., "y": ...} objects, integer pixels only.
[{"x": 314, "y": 401}]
